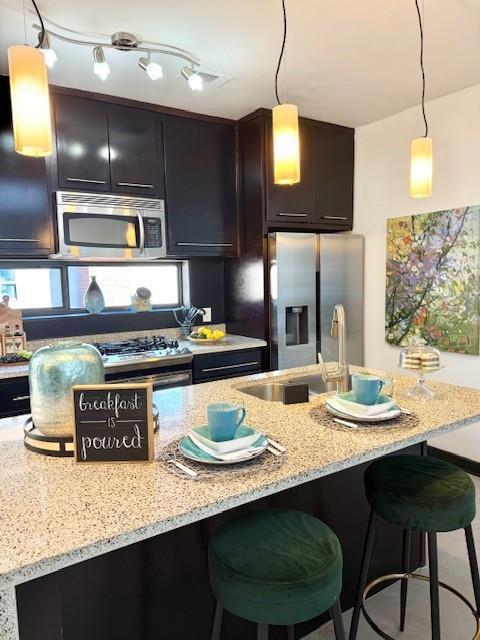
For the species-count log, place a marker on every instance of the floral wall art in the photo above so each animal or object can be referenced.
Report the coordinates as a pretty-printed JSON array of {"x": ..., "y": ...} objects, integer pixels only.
[{"x": 432, "y": 289}]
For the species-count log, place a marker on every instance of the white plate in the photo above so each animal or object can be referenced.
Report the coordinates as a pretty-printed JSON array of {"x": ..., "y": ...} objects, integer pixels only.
[
  {"x": 341, "y": 408},
  {"x": 189, "y": 450},
  {"x": 245, "y": 437},
  {"x": 383, "y": 417},
  {"x": 355, "y": 408}
]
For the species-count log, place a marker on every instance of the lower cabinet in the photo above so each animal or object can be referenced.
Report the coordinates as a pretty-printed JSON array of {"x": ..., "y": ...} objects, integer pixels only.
[
  {"x": 217, "y": 366},
  {"x": 14, "y": 397}
]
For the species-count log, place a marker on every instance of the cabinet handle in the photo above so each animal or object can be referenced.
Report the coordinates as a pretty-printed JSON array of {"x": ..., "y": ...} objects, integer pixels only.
[
  {"x": 19, "y": 398},
  {"x": 293, "y": 215},
  {"x": 334, "y": 217},
  {"x": 134, "y": 184},
  {"x": 86, "y": 181},
  {"x": 231, "y": 366},
  {"x": 204, "y": 244},
  {"x": 18, "y": 240}
]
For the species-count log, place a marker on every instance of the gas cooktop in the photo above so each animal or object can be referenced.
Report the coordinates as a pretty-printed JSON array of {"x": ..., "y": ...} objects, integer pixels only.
[{"x": 143, "y": 350}]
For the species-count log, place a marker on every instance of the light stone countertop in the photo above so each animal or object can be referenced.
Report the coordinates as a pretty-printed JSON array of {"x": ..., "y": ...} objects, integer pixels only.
[
  {"x": 54, "y": 513},
  {"x": 229, "y": 343}
]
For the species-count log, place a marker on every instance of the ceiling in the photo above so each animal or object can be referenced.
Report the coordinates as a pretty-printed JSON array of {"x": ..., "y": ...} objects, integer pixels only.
[{"x": 348, "y": 61}]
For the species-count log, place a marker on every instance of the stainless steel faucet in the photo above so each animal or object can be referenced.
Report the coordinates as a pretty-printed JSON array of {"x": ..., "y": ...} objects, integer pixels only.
[{"x": 340, "y": 372}]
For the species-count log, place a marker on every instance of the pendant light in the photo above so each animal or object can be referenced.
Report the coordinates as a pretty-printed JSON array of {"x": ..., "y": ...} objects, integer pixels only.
[
  {"x": 32, "y": 127},
  {"x": 286, "y": 143},
  {"x": 421, "y": 150}
]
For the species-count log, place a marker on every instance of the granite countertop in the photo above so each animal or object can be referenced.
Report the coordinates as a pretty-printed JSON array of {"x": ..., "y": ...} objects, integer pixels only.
[
  {"x": 54, "y": 512},
  {"x": 229, "y": 343}
]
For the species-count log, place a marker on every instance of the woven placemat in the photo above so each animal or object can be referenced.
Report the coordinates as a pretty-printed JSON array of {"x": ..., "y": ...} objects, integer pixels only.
[
  {"x": 267, "y": 461},
  {"x": 326, "y": 419}
]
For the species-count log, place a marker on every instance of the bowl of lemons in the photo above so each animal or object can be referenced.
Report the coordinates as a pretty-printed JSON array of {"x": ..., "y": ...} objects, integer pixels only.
[{"x": 205, "y": 335}]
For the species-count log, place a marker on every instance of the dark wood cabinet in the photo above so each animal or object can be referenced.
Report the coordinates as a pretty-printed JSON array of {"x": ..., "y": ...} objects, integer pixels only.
[
  {"x": 82, "y": 143},
  {"x": 296, "y": 202},
  {"x": 108, "y": 147},
  {"x": 333, "y": 175},
  {"x": 200, "y": 187},
  {"x": 217, "y": 366},
  {"x": 323, "y": 199},
  {"x": 136, "y": 151},
  {"x": 25, "y": 218},
  {"x": 14, "y": 396}
]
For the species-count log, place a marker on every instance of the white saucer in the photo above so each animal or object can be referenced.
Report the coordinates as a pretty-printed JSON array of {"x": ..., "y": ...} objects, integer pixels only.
[{"x": 382, "y": 417}]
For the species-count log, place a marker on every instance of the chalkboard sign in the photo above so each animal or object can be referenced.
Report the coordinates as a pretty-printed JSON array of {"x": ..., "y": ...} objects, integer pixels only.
[{"x": 113, "y": 423}]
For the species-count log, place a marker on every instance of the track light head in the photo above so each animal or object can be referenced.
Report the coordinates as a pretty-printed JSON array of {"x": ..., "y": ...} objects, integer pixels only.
[
  {"x": 193, "y": 78},
  {"x": 46, "y": 49},
  {"x": 153, "y": 70},
  {"x": 100, "y": 65}
]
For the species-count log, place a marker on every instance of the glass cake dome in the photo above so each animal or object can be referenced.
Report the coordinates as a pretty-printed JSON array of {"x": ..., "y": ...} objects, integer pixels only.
[{"x": 424, "y": 359}]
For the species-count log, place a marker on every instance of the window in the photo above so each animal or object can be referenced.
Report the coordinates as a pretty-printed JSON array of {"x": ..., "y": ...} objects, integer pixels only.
[
  {"x": 120, "y": 283},
  {"x": 32, "y": 288},
  {"x": 61, "y": 289}
]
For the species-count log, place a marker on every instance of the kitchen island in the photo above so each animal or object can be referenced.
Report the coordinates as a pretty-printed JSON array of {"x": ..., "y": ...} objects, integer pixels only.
[{"x": 54, "y": 513}]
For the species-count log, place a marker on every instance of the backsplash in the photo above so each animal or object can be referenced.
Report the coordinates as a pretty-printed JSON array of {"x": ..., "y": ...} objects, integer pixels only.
[{"x": 172, "y": 333}]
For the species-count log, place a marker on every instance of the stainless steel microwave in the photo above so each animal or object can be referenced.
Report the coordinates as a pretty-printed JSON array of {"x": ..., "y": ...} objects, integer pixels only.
[{"x": 93, "y": 226}]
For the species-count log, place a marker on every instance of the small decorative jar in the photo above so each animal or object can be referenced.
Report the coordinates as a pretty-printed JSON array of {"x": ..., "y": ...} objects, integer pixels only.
[{"x": 54, "y": 370}]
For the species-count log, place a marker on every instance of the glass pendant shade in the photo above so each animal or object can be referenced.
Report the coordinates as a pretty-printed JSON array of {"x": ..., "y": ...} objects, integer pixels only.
[
  {"x": 286, "y": 144},
  {"x": 421, "y": 167},
  {"x": 32, "y": 126}
]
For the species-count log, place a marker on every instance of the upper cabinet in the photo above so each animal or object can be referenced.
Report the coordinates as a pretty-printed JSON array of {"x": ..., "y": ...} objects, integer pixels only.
[
  {"x": 25, "y": 216},
  {"x": 108, "y": 147},
  {"x": 82, "y": 143},
  {"x": 296, "y": 202},
  {"x": 136, "y": 151},
  {"x": 200, "y": 187},
  {"x": 324, "y": 196}
]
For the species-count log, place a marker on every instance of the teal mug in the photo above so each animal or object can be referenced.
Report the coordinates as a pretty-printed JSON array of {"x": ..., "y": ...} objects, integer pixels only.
[
  {"x": 366, "y": 388},
  {"x": 224, "y": 419}
]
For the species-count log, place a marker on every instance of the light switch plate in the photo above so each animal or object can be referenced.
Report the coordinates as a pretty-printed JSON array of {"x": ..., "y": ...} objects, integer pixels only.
[{"x": 207, "y": 316}]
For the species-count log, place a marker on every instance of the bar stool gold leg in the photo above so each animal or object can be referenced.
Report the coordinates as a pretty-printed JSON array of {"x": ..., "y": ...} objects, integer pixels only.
[{"x": 262, "y": 632}]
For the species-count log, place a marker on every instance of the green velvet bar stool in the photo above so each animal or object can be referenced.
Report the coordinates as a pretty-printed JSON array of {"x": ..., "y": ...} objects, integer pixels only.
[
  {"x": 276, "y": 567},
  {"x": 423, "y": 494}
]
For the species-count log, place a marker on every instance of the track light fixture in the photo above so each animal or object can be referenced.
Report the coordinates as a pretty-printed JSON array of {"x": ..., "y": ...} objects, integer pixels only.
[
  {"x": 100, "y": 65},
  {"x": 194, "y": 79},
  {"x": 153, "y": 70},
  {"x": 46, "y": 49},
  {"x": 128, "y": 42}
]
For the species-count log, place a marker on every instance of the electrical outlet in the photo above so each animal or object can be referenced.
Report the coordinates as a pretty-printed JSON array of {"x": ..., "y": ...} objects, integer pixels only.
[{"x": 207, "y": 316}]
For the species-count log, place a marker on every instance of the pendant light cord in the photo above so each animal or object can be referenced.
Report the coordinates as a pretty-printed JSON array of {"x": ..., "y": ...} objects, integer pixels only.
[
  {"x": 282, "y": 50},
  {"x": 42, "y": 26},
  {"x": 420, "y": 24}
]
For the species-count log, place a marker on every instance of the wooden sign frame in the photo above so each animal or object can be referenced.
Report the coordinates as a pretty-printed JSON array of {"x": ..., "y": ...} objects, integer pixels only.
[{"x": 106, "y": 415}]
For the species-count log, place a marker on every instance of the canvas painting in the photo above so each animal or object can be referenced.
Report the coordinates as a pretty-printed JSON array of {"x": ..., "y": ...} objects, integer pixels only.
[{"x": 432, "y": 289}]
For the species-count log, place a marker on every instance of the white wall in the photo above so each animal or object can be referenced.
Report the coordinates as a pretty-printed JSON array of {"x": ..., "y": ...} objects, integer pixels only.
[{"x": 381, "y": 192}]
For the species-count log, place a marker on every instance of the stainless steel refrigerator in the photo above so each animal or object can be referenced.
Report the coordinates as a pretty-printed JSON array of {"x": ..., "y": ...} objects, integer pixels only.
[{"x": 309, "y": 274}]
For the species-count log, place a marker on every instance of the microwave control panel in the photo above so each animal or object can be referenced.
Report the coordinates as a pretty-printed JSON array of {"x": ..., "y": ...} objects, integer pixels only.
[{"x": 153, "y": 232}]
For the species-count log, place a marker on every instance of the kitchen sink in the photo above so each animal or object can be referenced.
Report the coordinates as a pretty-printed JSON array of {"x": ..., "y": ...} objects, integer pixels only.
[
  {"x": 270, "y": 391},
  {"x": 273, "y": 391}
]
